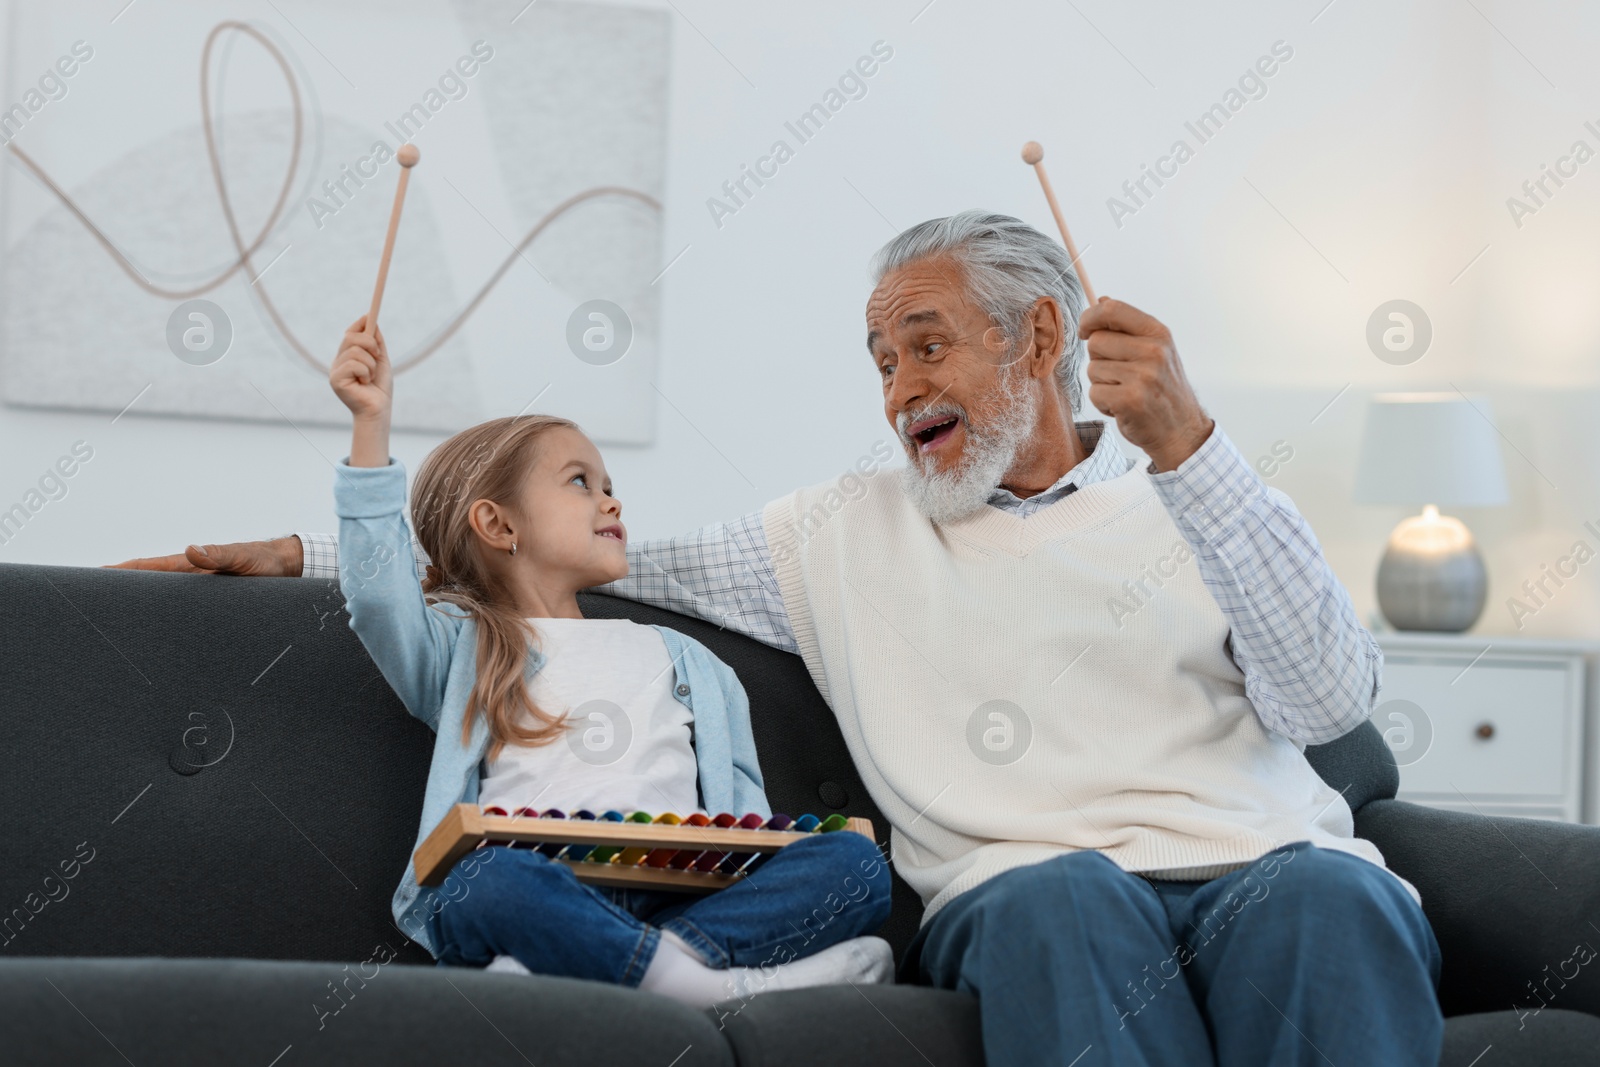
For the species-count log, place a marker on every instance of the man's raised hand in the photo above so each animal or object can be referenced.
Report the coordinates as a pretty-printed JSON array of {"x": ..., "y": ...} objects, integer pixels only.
[{"x": 1135, "y": 377}]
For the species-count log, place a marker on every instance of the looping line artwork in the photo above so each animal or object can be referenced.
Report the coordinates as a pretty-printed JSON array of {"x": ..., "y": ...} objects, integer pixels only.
[{"x": 245, "y": 252}]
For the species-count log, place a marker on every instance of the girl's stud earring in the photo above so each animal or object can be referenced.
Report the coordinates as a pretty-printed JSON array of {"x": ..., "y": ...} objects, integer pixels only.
[{"x": 513, "y": 548}]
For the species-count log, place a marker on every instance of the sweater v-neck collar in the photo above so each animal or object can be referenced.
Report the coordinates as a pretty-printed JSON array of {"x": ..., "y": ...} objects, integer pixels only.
[{"x": 994, "y": 527}]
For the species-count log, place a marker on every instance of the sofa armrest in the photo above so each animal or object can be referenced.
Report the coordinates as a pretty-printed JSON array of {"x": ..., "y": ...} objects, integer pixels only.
[{"x": 1515, "y": 903}]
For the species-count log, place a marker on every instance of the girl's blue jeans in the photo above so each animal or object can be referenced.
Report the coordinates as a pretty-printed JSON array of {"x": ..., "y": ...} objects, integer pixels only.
[{"x": 814, "y": 893}]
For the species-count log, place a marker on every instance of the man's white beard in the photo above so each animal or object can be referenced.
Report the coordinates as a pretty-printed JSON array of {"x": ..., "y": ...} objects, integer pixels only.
[{"x": 990, "y": 451}]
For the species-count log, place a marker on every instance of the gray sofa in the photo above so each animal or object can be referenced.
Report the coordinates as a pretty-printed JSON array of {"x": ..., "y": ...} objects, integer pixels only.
[{"x": 209, "y": 793}]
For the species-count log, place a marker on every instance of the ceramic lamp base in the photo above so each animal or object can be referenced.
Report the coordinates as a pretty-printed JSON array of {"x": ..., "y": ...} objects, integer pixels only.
[{"x": 1432, "y": 575}]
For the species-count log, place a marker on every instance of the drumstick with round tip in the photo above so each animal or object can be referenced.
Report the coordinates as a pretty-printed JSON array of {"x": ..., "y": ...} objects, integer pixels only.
[
  {"x": 407, "y": 157},
  {"x": 1033, "y": 155}
]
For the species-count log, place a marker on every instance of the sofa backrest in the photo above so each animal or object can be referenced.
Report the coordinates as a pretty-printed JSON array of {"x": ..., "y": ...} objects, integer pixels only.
[{"x": 203, "y": 766}]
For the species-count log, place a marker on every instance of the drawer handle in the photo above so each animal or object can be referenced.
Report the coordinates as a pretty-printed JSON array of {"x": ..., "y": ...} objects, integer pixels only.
[{"x": 1485, "y": 730}]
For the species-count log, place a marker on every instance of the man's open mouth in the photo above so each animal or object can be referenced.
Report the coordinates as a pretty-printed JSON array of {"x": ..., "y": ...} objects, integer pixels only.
[{"x": 931, "y": 433}]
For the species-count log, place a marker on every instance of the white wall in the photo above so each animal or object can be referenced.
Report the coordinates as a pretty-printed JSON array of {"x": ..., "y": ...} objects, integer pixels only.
[{"x": 1377, "y": 166}]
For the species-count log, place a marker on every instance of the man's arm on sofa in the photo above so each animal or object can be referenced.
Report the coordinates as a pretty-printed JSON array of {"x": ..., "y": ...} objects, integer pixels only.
[
  {"x": 721, "y": 573},
  {"x": 309, "y": 555},
  {"x": 1311, "y": 669},
  {"x": 277, "y": 558}
]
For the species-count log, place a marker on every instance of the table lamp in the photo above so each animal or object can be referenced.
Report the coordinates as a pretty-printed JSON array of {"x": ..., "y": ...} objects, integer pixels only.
[{"x": 1431, "y": 449}]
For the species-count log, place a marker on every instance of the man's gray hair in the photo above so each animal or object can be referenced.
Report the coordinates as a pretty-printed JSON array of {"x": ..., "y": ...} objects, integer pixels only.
[{"x": 1009, "y": 265}]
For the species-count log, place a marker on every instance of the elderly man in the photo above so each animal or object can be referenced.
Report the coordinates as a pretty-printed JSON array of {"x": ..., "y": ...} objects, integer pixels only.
[{"x": 1079, "y": 691}]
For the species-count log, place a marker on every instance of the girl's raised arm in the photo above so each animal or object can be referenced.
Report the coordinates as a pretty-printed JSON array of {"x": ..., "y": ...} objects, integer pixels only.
[{"x": 411, "y": 644}]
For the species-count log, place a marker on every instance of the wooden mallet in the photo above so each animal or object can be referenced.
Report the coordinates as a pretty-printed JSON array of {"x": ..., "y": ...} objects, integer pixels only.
[
  {"x": 407, "y": 157},
  {"x": 1033, "y": 155}
]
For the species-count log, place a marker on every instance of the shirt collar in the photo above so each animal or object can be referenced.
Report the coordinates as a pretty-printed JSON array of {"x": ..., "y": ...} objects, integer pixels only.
[{"x": 1104, "y": 462}]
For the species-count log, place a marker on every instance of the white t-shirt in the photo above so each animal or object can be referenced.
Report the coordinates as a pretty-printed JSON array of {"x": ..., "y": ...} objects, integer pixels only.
[{"x": 627, "y": 745}]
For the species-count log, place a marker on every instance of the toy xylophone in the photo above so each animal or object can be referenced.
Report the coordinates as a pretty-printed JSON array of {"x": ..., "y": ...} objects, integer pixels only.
[{"x": 697, "y": 854}]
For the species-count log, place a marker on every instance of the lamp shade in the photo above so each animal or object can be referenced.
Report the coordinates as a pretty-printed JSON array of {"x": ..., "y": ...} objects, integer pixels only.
[{"x": 1430, "y": 448}]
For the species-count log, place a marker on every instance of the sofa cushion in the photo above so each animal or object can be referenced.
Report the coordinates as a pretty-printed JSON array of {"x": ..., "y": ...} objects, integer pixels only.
[
  {"x": 885, "y": 1026},
  {"x": 1552, "y": 1038},
  {"x": 289, "y": 831},
  {"x": 205, "y": 1012},
  {"x": 890, "y": 1026}
]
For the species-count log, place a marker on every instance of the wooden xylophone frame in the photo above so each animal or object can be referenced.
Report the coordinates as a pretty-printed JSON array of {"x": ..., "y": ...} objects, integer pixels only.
[{"x": 465, "y": 828}]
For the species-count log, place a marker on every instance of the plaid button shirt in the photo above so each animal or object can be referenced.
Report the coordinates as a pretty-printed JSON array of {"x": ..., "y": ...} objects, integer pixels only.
[{"x": 1312, "y": 671}]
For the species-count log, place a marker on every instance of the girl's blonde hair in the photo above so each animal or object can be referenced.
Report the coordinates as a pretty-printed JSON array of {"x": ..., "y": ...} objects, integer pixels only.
[{"x": 487, "y": 462}]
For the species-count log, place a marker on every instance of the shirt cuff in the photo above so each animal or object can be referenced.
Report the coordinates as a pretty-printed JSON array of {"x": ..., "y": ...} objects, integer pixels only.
[
  {"x": 1208, "y": 492},
  {"x": 320, "y": 552}
]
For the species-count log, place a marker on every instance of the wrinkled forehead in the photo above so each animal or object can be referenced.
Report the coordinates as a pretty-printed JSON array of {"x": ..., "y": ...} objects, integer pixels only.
[{"x": 924, "y": 292}]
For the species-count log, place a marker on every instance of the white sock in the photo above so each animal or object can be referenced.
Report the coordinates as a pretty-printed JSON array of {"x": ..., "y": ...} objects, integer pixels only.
[
  {"x": 507, "y": 964},
  {"x": 678, "y": 973}
]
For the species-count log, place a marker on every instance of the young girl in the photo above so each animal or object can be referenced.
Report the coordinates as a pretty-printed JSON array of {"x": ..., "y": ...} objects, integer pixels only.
[{"x": 534, "y": 705}]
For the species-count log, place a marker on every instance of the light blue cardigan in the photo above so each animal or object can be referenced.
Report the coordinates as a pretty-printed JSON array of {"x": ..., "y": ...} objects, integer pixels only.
[{"x": 429, "y": 656}]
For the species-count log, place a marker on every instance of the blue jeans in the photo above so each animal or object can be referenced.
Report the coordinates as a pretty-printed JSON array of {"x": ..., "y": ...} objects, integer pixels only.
[
  {"x": 814, "y": 893},
  {"x": 1307, "y": 956}
]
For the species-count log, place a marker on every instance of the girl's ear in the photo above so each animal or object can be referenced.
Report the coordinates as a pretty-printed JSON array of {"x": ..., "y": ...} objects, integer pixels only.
[{"x": 493, "y": 525}]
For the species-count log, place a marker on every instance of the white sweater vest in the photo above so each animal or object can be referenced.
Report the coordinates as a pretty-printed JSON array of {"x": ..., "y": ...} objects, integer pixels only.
[{"x": 1012, "y": 690}]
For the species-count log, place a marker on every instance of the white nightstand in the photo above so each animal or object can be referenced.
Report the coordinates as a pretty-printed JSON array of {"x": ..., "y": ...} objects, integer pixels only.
[{"x": 1503, "y": 726}]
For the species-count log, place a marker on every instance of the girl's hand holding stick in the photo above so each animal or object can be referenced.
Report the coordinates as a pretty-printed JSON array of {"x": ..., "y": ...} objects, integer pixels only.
[{"x": 364, "y": 380}]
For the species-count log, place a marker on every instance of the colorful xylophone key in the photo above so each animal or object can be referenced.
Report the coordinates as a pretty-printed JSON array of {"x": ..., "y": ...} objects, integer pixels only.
[
  {"x": 555, "y": 849},
  {"x": 660, "y": 857},
  {"x": 708, "y": 861},
  {"x": 606, "y": 853},
  {"x": 519, "y": 813},
  {"x": 684, "y": 858},
  {"x": 576, "y": 852},
  {"x": 777, "y": 822},
  {"x": 806, "y": 824},
  {"x": 631, "y": 856},
  {"x": 734, "y": 861}
]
